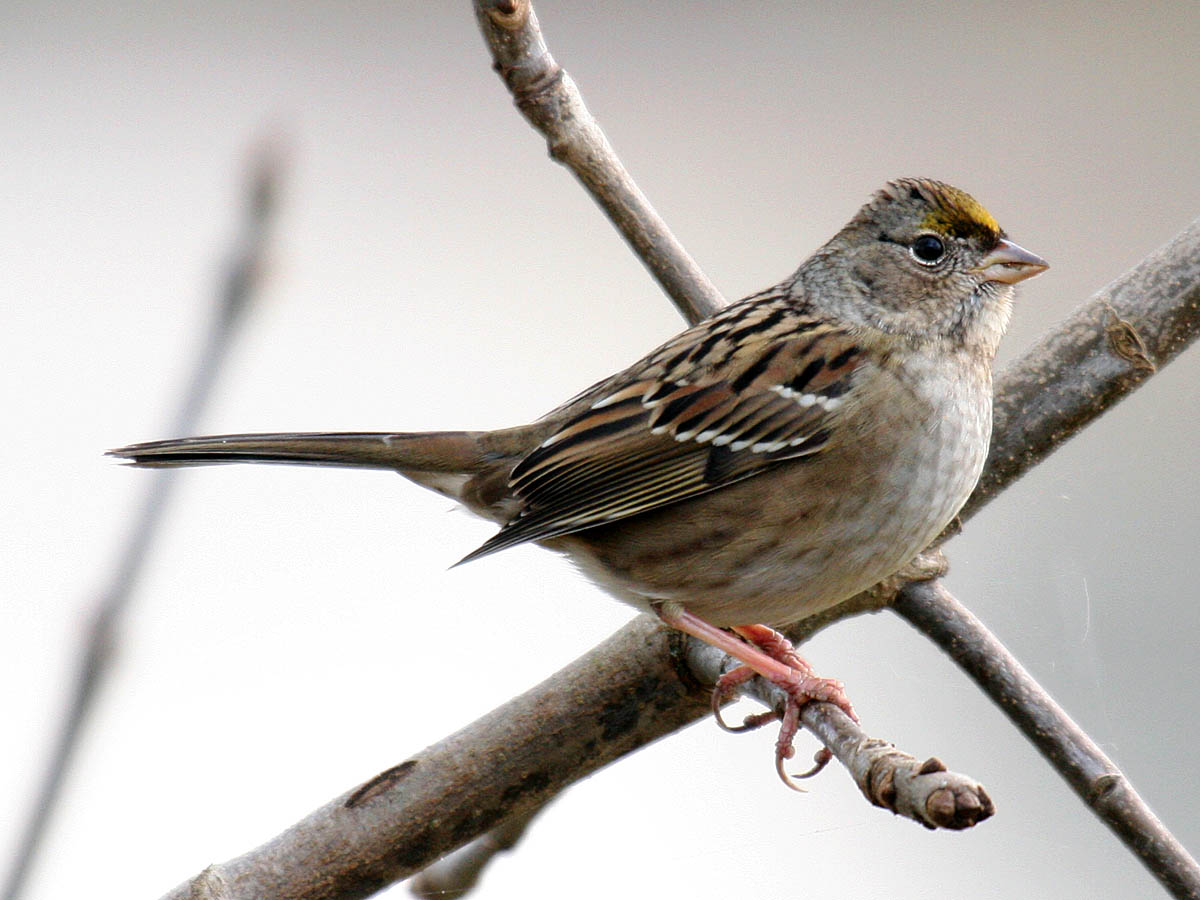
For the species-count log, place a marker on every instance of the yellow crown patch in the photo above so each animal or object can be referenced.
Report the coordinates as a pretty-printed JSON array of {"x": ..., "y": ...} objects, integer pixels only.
[
  {"x": 957, "y": 211},
  {"x": 951, "y": 211}
]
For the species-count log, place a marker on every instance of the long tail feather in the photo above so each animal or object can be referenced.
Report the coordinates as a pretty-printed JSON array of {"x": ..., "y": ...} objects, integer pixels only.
[
  {"x": 435, "y": 451},
  {"x": 471, "y": 467}
]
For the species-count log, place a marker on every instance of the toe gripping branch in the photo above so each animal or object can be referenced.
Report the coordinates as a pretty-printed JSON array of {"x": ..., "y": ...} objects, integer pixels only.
[{"x": 924, "y": 791}]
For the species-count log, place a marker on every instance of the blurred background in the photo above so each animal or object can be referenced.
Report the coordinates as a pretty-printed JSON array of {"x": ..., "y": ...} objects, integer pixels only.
[{"x": 433, "y": 269}]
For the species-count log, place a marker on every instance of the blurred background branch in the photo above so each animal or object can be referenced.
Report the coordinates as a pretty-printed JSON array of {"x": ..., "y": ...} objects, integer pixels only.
[{"x": 101, "y": 642}]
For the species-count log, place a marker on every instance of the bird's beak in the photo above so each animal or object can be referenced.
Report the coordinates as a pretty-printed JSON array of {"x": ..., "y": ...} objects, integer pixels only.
[{"x": 1010, "y": 263}]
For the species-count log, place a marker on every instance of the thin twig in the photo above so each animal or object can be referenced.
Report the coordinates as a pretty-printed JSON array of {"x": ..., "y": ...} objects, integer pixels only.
[
  {"x": 101, "y": 639},
  {"x": 1095, "y": 778},
  {"x": 549, "y": 99}
]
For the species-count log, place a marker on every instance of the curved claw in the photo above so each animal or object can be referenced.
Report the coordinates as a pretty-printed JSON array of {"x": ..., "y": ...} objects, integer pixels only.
[
  {"x": 785, "y": 777},
  {"x": 724, "y": 688},
  {"x": 765, "y": 652},
  {"x": 821, "y": 759},
  {"x": 718, "y": 697},
  {"x": 750, "y": 723}
]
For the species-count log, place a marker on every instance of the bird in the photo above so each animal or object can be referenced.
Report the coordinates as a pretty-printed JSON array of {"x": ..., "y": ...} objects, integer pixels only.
[{"x": 769, "y": 462}]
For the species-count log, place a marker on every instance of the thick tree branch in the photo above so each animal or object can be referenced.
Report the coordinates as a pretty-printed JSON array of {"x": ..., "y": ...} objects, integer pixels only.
[
  {"x": 1095, "y": 778},
  {"x": 549, "y": 99},
  {"x": 1108, "y": 347},
  {"x": 630, "y": 690},
  {"x": 625, "y": 693},
  {"x": 102, "y": 638}
]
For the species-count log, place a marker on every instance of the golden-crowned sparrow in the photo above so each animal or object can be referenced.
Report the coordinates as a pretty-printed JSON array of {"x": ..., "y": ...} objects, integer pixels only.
[{"x": 781, "y": 456}]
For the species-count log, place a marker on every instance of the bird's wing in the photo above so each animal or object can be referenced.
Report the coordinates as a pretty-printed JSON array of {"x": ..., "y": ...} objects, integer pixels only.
[{"x": 720, "y": 403}]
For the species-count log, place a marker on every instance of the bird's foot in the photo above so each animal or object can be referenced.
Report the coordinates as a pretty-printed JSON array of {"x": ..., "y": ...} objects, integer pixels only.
[
  {"x": 803, "y": 686},
  {"x": 785, "y": 747},
  {"x": 799, "y": 680},
  {"x": 764, "y": 651}
]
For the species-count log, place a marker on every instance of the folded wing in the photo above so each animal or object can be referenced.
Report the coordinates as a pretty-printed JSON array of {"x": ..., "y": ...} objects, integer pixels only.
[{"x": 704, "y": 411}]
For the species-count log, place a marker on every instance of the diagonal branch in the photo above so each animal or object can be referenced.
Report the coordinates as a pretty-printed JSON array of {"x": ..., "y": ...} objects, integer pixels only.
[
  {"x": 622, "y": 695},
  {"x": 548, "y": 98},
  {"x": 1110, "y": 345},
  {"x": 1095, "y": 778},
  {"x": 235, "y": 293},
  {"x": 923, "y": 791},
  {"x": 630, "y": 690}
]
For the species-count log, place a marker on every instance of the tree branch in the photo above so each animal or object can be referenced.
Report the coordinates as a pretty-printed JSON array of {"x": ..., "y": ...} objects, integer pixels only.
[
  {"x": 102, "y": 638},
  {"x": 630, "y": 690},
  {"x": 889, "y": 778},
  {"x": 548, "y": 98},
  {"x": 1095, "y": 778},
  {"x": 626, "y": 692},
  {"x": 1108, "y": 347}
]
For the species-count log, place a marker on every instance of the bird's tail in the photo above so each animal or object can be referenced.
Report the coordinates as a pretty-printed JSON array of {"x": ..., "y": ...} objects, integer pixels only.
[
  {"x": 446, "y": 451},
  {"x": 470, "y": 466}
]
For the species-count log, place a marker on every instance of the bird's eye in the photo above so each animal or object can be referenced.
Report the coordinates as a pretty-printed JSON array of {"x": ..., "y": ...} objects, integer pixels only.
[{"x": 927, "y": 249}]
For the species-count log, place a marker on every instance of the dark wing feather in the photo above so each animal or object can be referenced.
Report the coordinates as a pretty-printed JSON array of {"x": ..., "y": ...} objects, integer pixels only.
[{"x": 700, "y": 413}]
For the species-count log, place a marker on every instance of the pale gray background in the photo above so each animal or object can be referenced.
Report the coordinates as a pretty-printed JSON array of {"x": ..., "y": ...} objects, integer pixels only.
[{"x": 298, "y": 630}]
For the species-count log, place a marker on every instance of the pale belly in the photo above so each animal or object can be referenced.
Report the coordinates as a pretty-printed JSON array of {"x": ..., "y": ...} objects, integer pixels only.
[{"x": 805, "y": 536}]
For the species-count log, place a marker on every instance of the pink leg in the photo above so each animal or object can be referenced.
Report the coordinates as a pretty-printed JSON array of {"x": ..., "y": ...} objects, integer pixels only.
[
  {"x": 764, "y": 651},
  {"x": 801, "y": 677}
]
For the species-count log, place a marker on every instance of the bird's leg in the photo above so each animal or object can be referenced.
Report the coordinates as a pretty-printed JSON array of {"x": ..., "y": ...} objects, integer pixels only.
[
  {"x": 763, "y": 651},
  {"x": 801, "y": 679}
]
